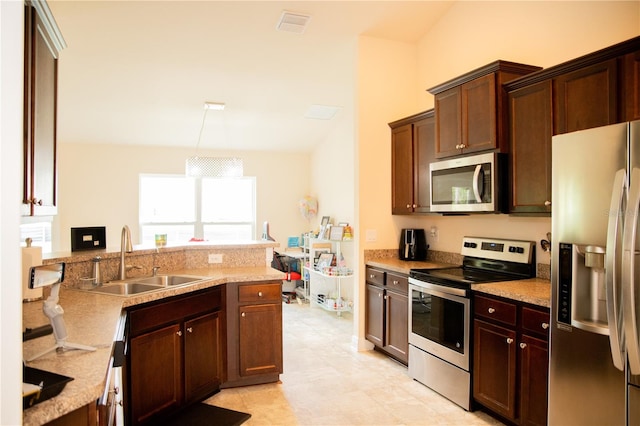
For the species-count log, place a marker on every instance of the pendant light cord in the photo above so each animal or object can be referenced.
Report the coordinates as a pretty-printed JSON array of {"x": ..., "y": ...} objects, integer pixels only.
[{"x": 204, "y": 117}]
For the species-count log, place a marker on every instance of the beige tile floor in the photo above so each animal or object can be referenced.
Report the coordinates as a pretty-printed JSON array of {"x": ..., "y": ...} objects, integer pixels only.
[{"x": 327, "y": 382}]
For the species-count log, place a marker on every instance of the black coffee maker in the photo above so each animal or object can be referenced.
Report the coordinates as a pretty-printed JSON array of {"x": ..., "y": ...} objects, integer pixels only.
[{"x": 413, "y": 245}]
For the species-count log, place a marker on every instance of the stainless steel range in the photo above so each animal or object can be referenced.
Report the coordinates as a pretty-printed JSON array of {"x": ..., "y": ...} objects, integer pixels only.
[{"x": 440, "y": 341}]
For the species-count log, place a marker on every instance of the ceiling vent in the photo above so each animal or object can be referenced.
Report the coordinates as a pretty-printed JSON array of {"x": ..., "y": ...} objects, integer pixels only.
[{"x": 293, "y": 22}]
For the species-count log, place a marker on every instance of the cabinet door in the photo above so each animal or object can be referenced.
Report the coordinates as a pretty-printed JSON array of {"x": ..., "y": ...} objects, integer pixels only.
[
  {"x": 374, "y": 315},
  {"x": 402, "y": 170},
  {"x": 530, "y": 131},
  {"x": 424, "y": 134},
  {"x": 155, "y": 372},
  {"x": 41, "y": 76},
  {"x": 586, "y": 98},
  {"x": 494, "y": 374},
  {"x": 631, "y": 89},
  {"x": 202, "y": 356},
  {"x": 478, "y": 100},
  {"x": 260, "y": 339},
  {"x": 397, "y": 331},
  {"x": 534, "y": 369},
  {"x": 448, "y": 123}
]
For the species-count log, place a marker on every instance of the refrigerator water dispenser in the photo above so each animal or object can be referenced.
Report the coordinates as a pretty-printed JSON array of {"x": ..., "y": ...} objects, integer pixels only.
[{"x": 582, "y": 298}]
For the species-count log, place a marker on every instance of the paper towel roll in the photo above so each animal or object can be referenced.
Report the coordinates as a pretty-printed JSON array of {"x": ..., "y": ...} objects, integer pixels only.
[{"x": 31, "y": 256}]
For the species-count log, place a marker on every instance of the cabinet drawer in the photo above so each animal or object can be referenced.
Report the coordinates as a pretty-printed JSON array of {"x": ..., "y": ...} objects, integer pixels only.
[
  {"x": 399, "y": 283},
  {"x": 149, "y": 317},
  {"x": 375, "y": 276},
  {"x": 496, "y": 310},
  {"x": 535, "y": 321},
  {"x": 259, "y": 293}
]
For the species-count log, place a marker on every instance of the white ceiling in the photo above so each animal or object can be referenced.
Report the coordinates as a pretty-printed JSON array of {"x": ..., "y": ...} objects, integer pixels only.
[{"x": 139, "y": 72}]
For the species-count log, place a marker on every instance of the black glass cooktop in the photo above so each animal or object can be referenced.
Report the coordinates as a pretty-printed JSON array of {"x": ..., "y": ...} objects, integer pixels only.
[{"x": 460, "y": 276}]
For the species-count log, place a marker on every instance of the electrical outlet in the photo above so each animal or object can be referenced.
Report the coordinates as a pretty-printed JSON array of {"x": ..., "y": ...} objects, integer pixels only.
[
  {"x": 215, "y": 258},
  {"x": 433, "y": 233},
  {"x": 371, "y": 235}
]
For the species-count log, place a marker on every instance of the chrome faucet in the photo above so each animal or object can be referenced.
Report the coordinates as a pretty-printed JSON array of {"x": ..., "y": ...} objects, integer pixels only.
[{"x": 125, "y": 246}]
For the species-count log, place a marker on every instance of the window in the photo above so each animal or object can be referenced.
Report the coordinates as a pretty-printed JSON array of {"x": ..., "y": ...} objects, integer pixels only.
[
  {"x": 39, "y": 232},
  {"x": 209, "y": 208}
]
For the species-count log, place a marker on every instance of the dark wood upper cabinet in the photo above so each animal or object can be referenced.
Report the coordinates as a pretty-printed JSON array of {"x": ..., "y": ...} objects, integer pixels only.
[
  {"x": 586, "y": 98},
  {"x": 470, "y": 110},
  {"x": 631, "y": 86},
  {"x": 42, "y": 44},
  {"x": 594, "y": 90},
  {"x": 412, "y": 150},
  {"x": 530, "y": 131}
]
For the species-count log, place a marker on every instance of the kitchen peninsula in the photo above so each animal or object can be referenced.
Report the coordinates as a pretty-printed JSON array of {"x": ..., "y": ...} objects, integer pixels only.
[{"x": 93, "y": 318}]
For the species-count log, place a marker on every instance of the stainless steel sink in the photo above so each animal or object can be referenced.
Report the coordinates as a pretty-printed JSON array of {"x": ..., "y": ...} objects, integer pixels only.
[
  {"x": 125, "y": 288},
  {"x": 168, "y": 280}
]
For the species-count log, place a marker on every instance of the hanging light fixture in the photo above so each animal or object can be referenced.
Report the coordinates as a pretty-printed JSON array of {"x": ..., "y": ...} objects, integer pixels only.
[{"x": 212, "y": 166}]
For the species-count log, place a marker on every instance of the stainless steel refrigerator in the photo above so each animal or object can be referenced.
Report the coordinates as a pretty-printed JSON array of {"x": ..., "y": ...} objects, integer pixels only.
[{"x": 595, "y": 277}]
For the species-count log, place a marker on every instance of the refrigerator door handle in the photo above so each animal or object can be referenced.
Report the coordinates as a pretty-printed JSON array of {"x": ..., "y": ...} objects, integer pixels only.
[
  {"x": 612, "y": 268},
  {"x": 628, "y": 273}
]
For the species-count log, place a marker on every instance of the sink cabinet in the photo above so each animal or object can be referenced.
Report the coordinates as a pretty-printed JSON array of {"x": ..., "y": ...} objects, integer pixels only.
[
  {"x": 42, "y": 44},
  {"x": 175, "y": 354},
  {"x": 387, "y": 312},
  {"x": 511, "y": 358},
  {"x": 254, "y": 315}
]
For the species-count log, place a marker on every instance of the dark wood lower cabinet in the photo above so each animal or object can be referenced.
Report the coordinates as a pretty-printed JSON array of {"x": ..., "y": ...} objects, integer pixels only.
[
  {"x": 203, "y": 355},
  {"x": 156, "y": 372},
  {"x": 174, "y": 356},
  {"x": 534, "y": 371},
  {"x": 511, "y": 358},
  {"x": 387, "y": 312},
  {"x": 254, "y": 330}
]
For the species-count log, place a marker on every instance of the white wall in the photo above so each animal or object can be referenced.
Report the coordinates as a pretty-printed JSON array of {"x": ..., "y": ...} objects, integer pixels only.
[
  {"x": 99, "y": 187},
  {"x": 11, "y": 53}
]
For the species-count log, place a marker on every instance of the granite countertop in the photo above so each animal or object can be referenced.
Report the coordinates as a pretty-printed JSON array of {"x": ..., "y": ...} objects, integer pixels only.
[
  {"x": 404, "y": 266},
  {"x": 92, "y": 319},
  {"x": 536, "y": 291}
]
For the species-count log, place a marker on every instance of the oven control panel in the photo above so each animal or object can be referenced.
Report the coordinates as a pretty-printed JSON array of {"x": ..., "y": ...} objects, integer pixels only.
[{"x": 498, "y": 249}]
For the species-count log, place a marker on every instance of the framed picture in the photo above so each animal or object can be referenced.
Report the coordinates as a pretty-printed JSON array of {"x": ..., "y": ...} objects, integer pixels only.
[
  {"x": 324, "y": 224},
  {"x": 325, "y": 260},
  {"x": 336, "y": 233}
]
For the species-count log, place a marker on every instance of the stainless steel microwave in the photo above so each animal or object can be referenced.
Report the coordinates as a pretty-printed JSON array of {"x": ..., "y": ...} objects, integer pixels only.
[{"x": 467, "y": 184}]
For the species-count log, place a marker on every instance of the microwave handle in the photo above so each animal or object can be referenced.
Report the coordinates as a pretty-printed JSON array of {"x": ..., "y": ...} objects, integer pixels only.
[{"x": 477, "y": 174}]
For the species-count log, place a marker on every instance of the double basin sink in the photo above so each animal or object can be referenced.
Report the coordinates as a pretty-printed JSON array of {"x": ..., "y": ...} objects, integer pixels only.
[{"x": 143, "y": 285}]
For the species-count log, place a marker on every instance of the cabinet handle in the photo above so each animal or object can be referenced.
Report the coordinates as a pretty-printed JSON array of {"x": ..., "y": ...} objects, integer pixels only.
[
  {"x": 395, "y": 282},
  {"x": 547, "y": 203},
  {"x": 408, "y": 206},
  {"x": 545, "y": 325},
  {"x": 372, "y": 276},
  {"x": 414, "y": 206},
  {"x": 509, "y": 340},
  {"x": 179, "y": 333},
  {"x": 190, "y": 329},
  {"x": 379, "y": 294},
  {"x": 35, "y": 201},
  {"x": 243, "y": 315},
  {"x": 259, "y": 294},
  {"x": 523, "y": 345},
  {"x": 491, "y": 310},
  {"x": 385, "y": 297}
]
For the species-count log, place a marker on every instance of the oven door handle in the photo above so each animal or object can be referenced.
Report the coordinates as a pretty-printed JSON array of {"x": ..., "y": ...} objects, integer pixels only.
[{"x": 446, "y": 292}]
